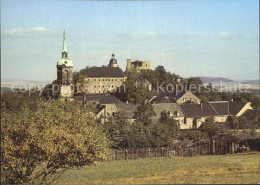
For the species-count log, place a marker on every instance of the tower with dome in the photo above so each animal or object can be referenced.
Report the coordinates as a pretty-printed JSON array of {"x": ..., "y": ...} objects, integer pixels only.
[{"x": 65, "y": 73}]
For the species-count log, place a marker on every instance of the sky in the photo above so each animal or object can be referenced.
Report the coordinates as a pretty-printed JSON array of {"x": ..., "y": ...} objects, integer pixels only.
[{"x": 216, "y": 38}]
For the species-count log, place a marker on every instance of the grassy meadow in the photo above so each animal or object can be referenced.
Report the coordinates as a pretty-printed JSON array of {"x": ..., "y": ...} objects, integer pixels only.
[{"x": 230, "y": 168}]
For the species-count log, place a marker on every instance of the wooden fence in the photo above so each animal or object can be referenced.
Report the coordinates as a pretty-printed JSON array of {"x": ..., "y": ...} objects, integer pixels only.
[
  {"x": 119, "y": 154},
  {"x": 220, "y": 146}
]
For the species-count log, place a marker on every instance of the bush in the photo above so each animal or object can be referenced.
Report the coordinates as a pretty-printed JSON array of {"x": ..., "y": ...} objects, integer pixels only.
[{"x": 39, "y": 145}]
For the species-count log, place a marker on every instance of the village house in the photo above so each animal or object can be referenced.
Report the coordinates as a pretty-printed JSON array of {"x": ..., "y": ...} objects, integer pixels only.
[
  {"x": 225, "y": 109},
  {"x": 173, "y": 111},
  {"x": 108, "y": 106},
  {"x": 128, "y": 109},
  {"x": 104, "y": 104},
  {"x": 196, "y": 114}
]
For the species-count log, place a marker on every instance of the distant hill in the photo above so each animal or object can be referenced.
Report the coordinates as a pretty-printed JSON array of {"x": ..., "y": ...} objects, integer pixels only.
[
  {"x": 19, "y": 80},
  {"x": 214, "y": 79},
  {"x": 16, "y": 82},
  {"x": 254, "y": 82}
]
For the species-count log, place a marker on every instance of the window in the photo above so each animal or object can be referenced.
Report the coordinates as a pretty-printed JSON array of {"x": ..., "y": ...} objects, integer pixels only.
[
  {"x": 112, "y": 79},
  {"x": 95, "y": 79},
  {"x": 115, "y": 79},
  {"x": 103, "y": 79},
  {"x": 112, "y": 86},
  {"x": 99, "y": 80},
  {"x": 88, "y": 79},
  {"x": 121, "y": 79},
  {"x": 66, "y": 75},
  {"x": 108, "y": 79},
  {"x": 184, "y": 99}
]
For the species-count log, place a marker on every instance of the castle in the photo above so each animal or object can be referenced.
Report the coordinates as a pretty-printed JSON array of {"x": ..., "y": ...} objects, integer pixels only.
[
  {"x": 99, "y": 80},
  {"x": 137, "y": 64}
]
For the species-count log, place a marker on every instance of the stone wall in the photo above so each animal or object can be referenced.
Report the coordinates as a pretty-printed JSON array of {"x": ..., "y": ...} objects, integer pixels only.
[{"x": 101, "y": 85}]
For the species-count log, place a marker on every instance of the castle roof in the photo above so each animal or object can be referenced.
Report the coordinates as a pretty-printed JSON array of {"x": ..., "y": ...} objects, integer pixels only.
[{"x": 104, "y": 72}]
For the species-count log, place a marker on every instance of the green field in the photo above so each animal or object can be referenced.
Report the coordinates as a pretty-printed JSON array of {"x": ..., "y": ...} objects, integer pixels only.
[{"x": 236, "y": 168}]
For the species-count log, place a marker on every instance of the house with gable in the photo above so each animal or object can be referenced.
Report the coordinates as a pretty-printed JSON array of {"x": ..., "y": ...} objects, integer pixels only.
[
  {"x": 196, "y": 114},
  {"x": 175, "y": 97},
  {"x": 173, "y": 111}
]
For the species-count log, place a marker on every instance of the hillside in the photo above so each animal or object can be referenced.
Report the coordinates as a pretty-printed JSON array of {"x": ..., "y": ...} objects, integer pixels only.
[
  {"x": 253, "y": 82},
  {"x": 214, "y": 79},
  {"x": 235, "y": 168}
]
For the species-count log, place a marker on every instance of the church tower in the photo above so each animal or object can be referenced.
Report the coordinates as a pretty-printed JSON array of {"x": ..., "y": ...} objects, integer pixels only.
[
  {"x": 65, "y": 72},
  {"x": 113, "y": 61}
]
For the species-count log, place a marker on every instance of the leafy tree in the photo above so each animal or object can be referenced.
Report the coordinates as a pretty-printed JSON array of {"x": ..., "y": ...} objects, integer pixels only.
[
  {"x": 151, "y": 76},
  {"x": 211, "y": 127},
  {"x": 143, "y": 113},
  {"x": 117, "y": 130},
  {"x": 47, "y": 92},
  {"x": 169, "y": 129},
  {"x": 16, "y": 101},
  {"x": 194, "y": 82},
  {"x": 161, "y": 73},
  {"x": 37, "y": 146},
  {"x": 197, "y": 136},
  {"x": 204, "y": 99},
  {"x": 139, "y": 136},
  {"x": 136, "y": 90},
  {"x": 238, "y": 123}
]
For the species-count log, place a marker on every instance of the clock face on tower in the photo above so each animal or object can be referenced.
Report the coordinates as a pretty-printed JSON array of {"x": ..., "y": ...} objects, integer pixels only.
[{"x": 66, "y": 91}]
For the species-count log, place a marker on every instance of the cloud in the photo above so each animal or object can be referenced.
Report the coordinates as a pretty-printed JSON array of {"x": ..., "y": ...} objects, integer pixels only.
[
  {"x": 162, "y": 54},
  {"x": 139, "y": 36},
  {"x": 24, "y": 32},
  {"x": 222, "y": 34}
]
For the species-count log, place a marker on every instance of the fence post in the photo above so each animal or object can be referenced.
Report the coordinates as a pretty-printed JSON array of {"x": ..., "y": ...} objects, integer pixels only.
[
  {"x": 233, "y": 147},
  {"x": 212, "y": 146},
  {"x": 126, "y": 154}
]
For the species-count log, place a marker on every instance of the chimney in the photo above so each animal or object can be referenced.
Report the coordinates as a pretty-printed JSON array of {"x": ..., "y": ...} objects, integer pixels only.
[{"x": 201, "y": 105}]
